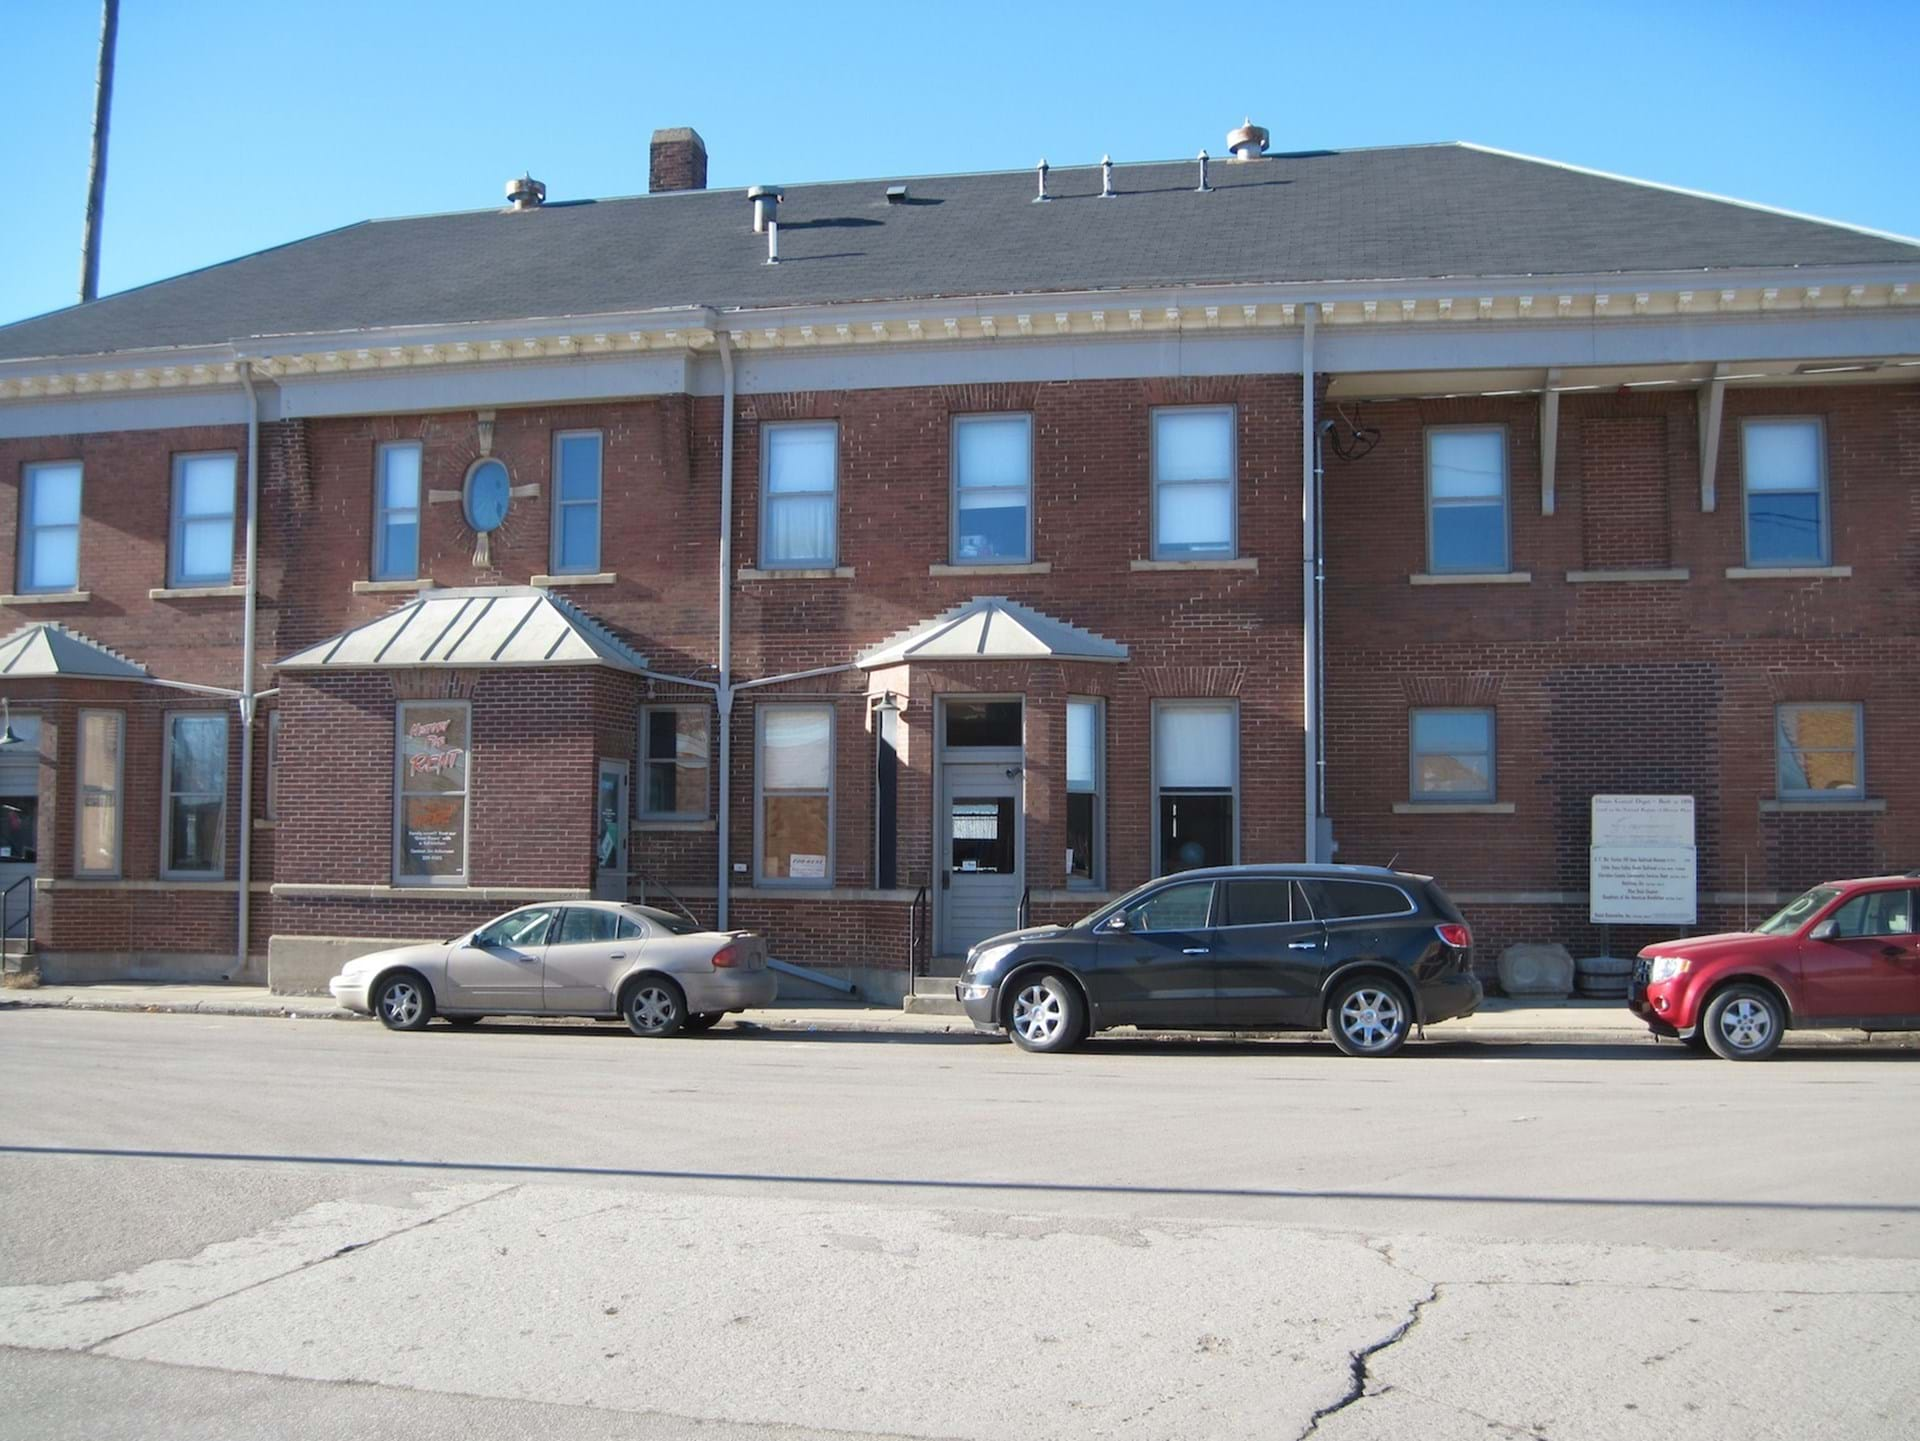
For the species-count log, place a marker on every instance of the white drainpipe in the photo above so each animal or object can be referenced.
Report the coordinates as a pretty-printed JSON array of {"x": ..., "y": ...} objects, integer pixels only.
[
  {"x": 1310, "y": 608},
  {"x": 247, "y": 696},
  {"x": 723, "y": 696}
]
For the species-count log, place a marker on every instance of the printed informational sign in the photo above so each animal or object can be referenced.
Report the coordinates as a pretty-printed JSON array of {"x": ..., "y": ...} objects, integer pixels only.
[
  {"x": 806, "y": 868},
  {"x": 1643, "y": 867}
]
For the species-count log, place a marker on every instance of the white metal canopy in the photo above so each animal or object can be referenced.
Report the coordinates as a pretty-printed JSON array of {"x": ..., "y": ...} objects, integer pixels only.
[
  {"x": 48, "y": 649},
  {"x": 491, "y": 627},
  {"x": 991, "y": 627}
]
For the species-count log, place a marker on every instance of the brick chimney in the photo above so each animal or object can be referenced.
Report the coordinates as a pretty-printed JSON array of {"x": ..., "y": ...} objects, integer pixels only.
[{"x": 678, "y": 161}]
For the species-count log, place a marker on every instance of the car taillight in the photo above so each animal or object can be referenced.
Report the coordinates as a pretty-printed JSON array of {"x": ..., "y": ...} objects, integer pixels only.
[
  {"x": 1454, "y": 934},
  {"x": 727, "y": 956}
]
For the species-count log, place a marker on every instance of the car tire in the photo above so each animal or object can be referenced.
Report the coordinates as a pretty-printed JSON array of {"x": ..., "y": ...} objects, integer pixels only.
[
  {"x": 1745, "y": 1023},
  {"x": 464, "y": 1023},
  {"x": 1697, "y": 1042},
  {"x": 1043, "y": 1013},
  {"x": 704, "y": 1021},
  {"x": 1369, "y": 1016},
  {"x": 403, "y": 1001},
  {"x": 654, "y": 1006}
]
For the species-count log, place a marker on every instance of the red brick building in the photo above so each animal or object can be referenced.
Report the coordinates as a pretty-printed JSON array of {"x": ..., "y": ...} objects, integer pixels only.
[{"x": 875, "y": 564}]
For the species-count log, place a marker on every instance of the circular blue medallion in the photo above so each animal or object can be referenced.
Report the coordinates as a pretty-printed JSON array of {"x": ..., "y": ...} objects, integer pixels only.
[{"x": 487, "y": 495}]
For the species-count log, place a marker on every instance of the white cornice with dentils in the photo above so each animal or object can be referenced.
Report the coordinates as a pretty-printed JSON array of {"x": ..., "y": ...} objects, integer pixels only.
[{"x": 1430, "y": 305}]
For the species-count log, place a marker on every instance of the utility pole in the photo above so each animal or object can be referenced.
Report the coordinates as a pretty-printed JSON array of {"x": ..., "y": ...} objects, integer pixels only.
[{"x": 97, "y": 171}]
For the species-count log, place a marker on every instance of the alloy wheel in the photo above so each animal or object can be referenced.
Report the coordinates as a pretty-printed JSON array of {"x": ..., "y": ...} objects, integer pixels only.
[
  {"x": 1039, "y": 1012},
  {"x": 1371, "y": 1018},
  {"x": 652, "y": 1009},
  {"x": 401, "y": 1004},
  {"x": 1746, "y": 1024}
]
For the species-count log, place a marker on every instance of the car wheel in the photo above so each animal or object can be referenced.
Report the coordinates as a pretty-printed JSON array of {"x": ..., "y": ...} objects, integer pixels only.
[
  {"x": 704, "y": 1020},
  {"x": 403, "y": 1002},
  {"x": 1045, "y": 1013},
  {"x": 655, "y": 1006},
  {"x": 1697, "y": 1042},
  {"x": 1369, "y": 1017},
  {"x": 1745, "y": 1023}
]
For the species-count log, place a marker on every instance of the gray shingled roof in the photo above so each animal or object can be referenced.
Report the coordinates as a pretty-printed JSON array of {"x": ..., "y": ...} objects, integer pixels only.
[{"x": 1411, "y": 212}]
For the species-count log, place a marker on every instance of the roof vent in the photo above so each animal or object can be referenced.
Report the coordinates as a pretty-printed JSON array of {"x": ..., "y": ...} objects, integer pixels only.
[
  {"x": 1249, "y": 142},
  {"x": 766, "y": 206},
  {"x": 526, "y": 193},
  {"x": 896, "y": 195}
]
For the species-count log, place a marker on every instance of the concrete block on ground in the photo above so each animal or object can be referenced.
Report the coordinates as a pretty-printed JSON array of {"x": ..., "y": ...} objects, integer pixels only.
[{"x": 1534, "y": 969}]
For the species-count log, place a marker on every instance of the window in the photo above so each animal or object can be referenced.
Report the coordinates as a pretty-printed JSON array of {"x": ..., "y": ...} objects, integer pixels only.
[
  {"x": 523, "y": 930},
  {"x": 580, "y": 926},
  {"x": 1196, "y": 774},
  {"x": 273, "y": 765},
  {"x": 433, "y": 758},
  {"x": 795, "y": 830},
  {"x": 1193, "y": 474},
  {"x": 1177, "y": 908},
  {"x": 576, "y": 502},
  {"x": 50, "y": 527},
  {"x": 195, "y": 785},
  {"x": 1452, "y": 755},
  {"x": 1086, "y": 758},
  {"x": 1783, "y": 462},
  {"x": 102, "y": 762},
  {"x": 992, "y": 489},
  {"x": 989, "y": 723},
  {"x": 1467, "y": 500},
  {"x": 396, "y": 527},
  {"x": 202, "y": 543},
  {"x": 797, "y": 501},
  {"x": 1264, "y": 903},
  {"x": 1353, "y": 900},
  {"x": 673, "y": 762},
  {"x": 1875, "y": 913},
  {"x": 1817, "y": 752}
]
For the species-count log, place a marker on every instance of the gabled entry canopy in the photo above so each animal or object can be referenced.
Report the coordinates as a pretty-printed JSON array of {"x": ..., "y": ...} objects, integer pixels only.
[
  {"x": 36, "y": 652},
  {"x": 473, "y": 628},
  {"x": 991, "y": 627}
]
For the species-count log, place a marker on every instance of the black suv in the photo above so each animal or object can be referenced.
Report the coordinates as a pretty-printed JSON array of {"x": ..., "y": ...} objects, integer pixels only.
[{"x": 1365, "y": 952}]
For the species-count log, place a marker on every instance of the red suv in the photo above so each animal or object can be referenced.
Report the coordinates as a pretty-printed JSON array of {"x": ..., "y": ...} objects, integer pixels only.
[{"x": 1844, "y": 954}]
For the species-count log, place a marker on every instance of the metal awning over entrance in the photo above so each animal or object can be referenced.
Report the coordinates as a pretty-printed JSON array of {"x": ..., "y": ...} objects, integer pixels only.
[
  {"x": 991, "y": 627},
  {"x": 47, "y": 650},
  {"x": 479, "y": 627}
]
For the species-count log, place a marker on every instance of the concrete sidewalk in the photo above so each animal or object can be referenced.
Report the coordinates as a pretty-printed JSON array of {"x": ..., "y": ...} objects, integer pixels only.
[{"x": 1499, "y": 1021}]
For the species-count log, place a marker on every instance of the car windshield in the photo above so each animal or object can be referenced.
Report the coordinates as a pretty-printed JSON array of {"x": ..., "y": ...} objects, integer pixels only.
[
  {"x": 1794, "y": 913},
  {"x": 667, "y": 921}
]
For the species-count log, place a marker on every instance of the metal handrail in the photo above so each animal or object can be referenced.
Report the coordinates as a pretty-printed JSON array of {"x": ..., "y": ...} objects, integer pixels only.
[
  {"x": 7, "y": 923},
  {"x": 913, "y": 936}
]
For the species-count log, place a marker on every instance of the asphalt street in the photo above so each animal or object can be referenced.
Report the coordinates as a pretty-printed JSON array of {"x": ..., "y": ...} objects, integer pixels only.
[{"x": 228, "y": 1226}]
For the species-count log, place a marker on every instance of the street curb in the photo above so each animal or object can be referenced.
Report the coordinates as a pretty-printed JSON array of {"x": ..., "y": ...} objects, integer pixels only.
[{"x": 296, "y": 1009}]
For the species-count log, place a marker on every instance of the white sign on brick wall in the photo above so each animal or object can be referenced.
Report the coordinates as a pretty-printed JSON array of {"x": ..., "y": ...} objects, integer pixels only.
[{"x": 1642, "y": 865}]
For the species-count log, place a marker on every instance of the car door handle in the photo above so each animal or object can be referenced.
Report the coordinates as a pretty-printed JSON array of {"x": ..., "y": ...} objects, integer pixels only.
[
  {"x": 1196, "y": 951},
  {"x": 1303, "y": 945},
  {"x": 619, "y": 955}
]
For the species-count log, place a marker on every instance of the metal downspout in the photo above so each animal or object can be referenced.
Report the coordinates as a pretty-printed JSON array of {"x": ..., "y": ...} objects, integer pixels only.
[
  {"x": 247, "y": 697},
  {"x": 723, "y": 695},
  {"x": 1309, "y": 606}
]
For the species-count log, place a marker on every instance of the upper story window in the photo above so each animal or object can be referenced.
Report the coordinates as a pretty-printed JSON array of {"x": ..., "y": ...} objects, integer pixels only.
[
  {"x": 673, "y": 762},
  {"x": 1086, "y": 766},
  {"x": 1784, "y": 464},
  {"x": 1452, "y": 755},
  {"x": 1194, "y": 466},
  {"x": 201, "y": 550},
  {"x": 794, "y": 837},
  {"x": 1467, "y": 499},
  {"x": 992, "y": 489},
  {"x": 50, "y": 527},
  {"x": 195, "y": 786},
  {"x": 396, "y": 529},
  {"x": 576, "y": 502},
  {"x": 1196, "y": 781},
  {"x": 1818, "y": 751},
  {"x": 799, "y": 496}
]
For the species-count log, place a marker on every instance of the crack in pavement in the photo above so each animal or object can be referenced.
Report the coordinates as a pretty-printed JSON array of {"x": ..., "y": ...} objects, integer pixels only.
[
  {"x": 1360, "y": 1361},
  {"x": 93, "y": 1347}
]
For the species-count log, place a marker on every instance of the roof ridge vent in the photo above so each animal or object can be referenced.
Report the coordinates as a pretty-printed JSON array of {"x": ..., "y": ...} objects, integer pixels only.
[
  {"x": 1249, "y": 142},
  {"x": 526, "y": 193}
]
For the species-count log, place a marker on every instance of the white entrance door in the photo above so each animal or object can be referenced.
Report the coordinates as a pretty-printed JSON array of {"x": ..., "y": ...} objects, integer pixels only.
[
  {"x": 980, "y": 855},
  {"x": 610, "y": 833}
]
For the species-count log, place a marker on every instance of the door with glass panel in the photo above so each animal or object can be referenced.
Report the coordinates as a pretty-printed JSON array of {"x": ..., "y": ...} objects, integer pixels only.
[
  {"x": 19, "y": 822},
  {"x": 610, "y": 833},
  {"x": 980, "y": 855}
]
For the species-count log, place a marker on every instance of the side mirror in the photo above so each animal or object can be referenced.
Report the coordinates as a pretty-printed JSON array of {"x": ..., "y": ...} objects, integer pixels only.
[
  {"x": 1117, "y": 922},
  {"x": 1824, "y": 931}
]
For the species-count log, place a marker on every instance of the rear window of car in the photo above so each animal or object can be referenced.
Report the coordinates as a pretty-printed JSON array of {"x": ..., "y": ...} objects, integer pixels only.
[
  {"x": 667, "y": 921},
  {"x": 1350, "y": 900},
  {"x": 581, "y": 925},
  {"x": 1264, "y": 903}
]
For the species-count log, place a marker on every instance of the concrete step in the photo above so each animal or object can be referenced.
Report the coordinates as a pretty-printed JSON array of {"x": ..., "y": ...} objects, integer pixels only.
[
  {"x": 932, "y": 1005},
  {"x": 935, "y": 985}
]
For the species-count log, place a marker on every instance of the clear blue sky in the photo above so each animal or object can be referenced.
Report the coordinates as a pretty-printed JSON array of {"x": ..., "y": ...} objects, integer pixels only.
[{"x": 238, "y": 126}]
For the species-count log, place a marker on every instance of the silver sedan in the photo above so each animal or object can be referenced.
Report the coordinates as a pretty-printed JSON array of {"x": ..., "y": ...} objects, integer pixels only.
[{"x": 659, "y": 972}]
